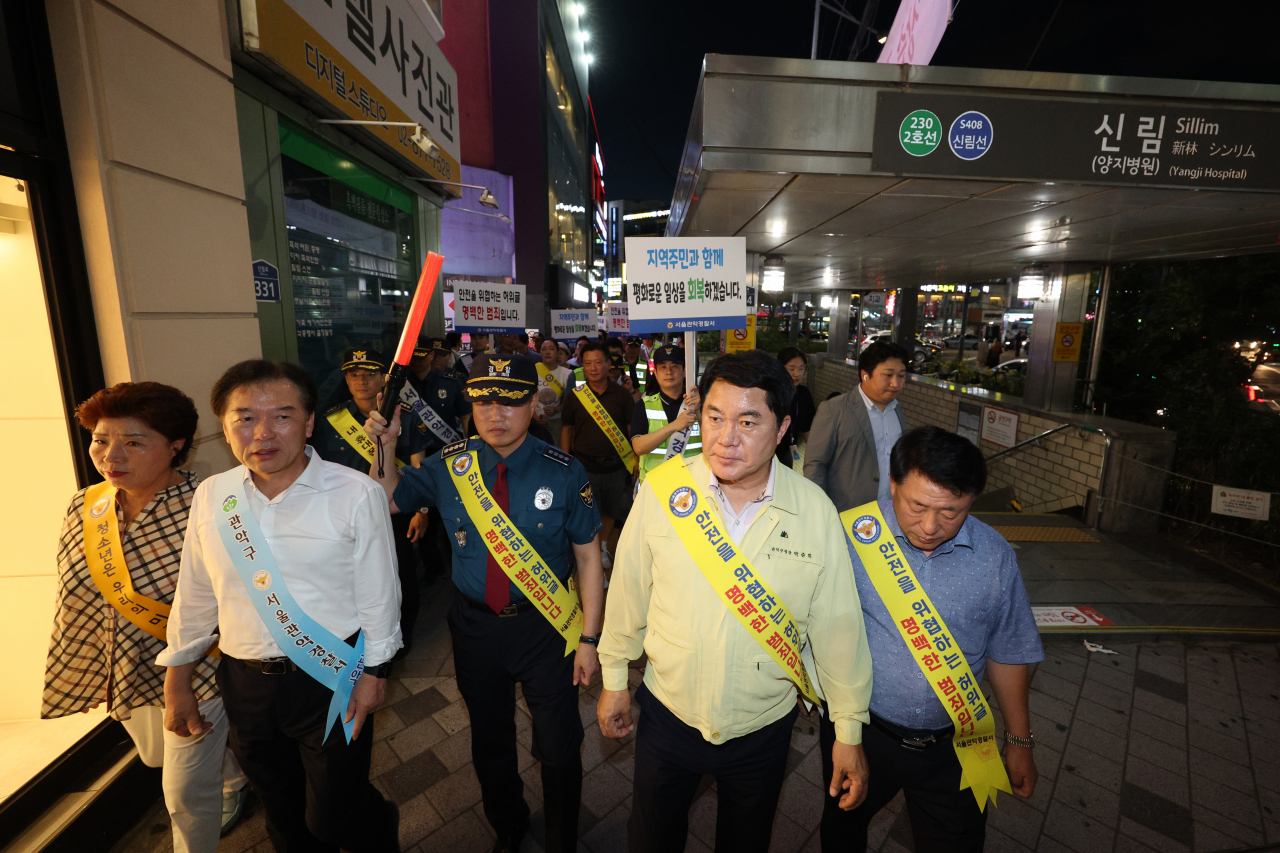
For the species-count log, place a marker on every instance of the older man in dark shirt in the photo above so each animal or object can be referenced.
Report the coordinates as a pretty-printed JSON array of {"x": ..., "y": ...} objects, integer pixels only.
[{"x": 970, "y": 575}]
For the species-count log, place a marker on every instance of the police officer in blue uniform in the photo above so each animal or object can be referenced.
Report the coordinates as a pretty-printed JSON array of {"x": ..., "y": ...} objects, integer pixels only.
[
  {"x": 364, "y": 372},
  {"x": 499, "y": 636}
]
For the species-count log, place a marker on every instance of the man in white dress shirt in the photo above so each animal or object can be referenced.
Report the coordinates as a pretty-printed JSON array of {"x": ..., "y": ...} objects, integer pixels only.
[{"x": 314, "y": 541}]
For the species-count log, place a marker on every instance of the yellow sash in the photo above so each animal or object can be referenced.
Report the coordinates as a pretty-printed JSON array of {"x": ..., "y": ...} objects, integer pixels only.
[
  {"x": 354, "y": 434},
  {"x": 934, "y": 650},
  {"x": 105, "y": 555},
  {"x": 517, "y": 558},
  {"x": 607, "y": 425},
  {"x": 550, "y": 378},
  {"x": 749, "y": 598}
]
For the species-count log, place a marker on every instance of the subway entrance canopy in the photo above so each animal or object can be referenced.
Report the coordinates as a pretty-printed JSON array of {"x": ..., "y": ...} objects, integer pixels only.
[{"x": 869, "y": 176}]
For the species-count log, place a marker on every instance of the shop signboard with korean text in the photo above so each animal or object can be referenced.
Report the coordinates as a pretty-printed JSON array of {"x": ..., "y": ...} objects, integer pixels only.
[
  {"x": 999, "y": 426},
  {"x": 686, "y": 284},
  {"x": 373, "y": 60},
  {"x": 486, "y": 307},
  {"x": 570, "y": 325},
  {"x": 1074, "y": 139}
]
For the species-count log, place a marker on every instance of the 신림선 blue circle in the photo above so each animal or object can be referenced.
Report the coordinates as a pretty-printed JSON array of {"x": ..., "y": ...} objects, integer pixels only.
[{"x": 971, "y": 135}]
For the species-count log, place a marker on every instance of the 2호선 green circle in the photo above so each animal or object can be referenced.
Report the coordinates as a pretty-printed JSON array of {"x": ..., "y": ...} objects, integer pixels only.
[{"x": 920, "y": 133}]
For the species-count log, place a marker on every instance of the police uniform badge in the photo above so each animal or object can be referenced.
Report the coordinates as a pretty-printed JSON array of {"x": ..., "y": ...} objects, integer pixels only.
[
  {"x": 461, "y": 536},
  {"x": 442, "y": 393},
  {"x": 585, "y": 494},
  {"x": 543, "y": 498}
]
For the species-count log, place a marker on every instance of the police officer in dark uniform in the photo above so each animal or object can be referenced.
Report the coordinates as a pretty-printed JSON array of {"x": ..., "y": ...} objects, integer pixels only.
[
  {"x": 339, "y": 437},
  {"x": 499, "y": 636},
  {"x": 442, "y": 393}
]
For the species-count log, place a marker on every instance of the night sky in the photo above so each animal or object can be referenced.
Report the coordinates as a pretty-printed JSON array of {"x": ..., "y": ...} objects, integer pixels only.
[{"x": 648, "y": 54}]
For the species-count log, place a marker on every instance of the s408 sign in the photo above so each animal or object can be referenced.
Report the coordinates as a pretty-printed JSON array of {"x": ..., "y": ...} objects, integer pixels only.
[{"x": 686, "y": 284}]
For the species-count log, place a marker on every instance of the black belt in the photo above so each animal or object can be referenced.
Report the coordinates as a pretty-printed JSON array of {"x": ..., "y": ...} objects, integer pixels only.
[
  {"x": 513, "y": 609},
  {"x": 271, "y": 666},
  {"x": 917, "y": 740}
]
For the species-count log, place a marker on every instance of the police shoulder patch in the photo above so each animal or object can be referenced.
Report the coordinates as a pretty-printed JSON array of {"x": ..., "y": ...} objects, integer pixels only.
[
  {"x": 557, "y": 455},
  {"x": 336, "y": 409},
  {"x": 453, "y": 449},
  {"x": 405, "y": 406},
  {"x": 585, "y": 494}
]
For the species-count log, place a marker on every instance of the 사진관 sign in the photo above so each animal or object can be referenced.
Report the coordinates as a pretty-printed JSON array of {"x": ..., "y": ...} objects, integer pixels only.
[
  {"x": 686, "y": 284},
  {"x": 484, "y": 307}
]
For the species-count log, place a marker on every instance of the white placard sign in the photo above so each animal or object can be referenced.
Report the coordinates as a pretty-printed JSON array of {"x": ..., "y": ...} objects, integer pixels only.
[
  {"x": 686, "y": 284},
  {"x": 1242, "y": 503},
  {"x": 999, "y": 426},
  {"x": 568, "y": 325},
  {"x": 617, "y": 322},
  {"x": 483, "y": 306}
]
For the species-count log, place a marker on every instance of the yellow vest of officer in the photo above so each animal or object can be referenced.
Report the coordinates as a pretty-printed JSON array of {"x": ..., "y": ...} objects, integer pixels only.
[{"x": 657, "y": 420}]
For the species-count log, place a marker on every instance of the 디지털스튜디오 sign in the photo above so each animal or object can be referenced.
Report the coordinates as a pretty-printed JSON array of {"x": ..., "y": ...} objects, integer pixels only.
[{"x": 686, "y": 284}]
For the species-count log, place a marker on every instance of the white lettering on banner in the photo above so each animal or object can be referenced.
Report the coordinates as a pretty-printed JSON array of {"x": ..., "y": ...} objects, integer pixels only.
[
  {"x": 572, "y": 324},
  {"x": 686, "y": 283},
  {"x": 488, "y": 307},
  {"x": 1243, "y": 503}
]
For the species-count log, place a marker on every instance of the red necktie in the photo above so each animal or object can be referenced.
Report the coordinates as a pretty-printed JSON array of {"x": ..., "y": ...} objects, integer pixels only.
[{"x": 497, "y": 586}]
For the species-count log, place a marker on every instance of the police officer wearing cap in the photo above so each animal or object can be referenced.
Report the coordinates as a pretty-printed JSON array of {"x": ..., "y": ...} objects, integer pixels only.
[
  {"x": 637, "y": 366},
  {"x": 441, "y": 392},
  {"x": 670, "y": 414},
  {"x": 499, "y": 635},
  {"x": 339, "y": 437}
]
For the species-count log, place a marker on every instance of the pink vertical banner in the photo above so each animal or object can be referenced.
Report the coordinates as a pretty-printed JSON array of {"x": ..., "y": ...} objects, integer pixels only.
[{"x": 917, "y": 29}]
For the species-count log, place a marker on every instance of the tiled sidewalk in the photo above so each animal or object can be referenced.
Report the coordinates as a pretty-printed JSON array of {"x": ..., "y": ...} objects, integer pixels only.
[{"x": 1164, "y": 747}]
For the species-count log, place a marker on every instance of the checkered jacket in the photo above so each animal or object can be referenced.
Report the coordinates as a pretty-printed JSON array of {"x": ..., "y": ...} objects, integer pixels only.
[{"x": 96, "y": 654}]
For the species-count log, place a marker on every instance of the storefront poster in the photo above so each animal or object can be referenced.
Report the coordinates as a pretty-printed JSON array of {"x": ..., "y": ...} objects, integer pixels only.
[
  {"x": 487, "y": 307},
  {"x": 1242, "y": 503},
  {"x": 999, "y": 426},
  {"x": 686, "y": 284},
  {"x": 374, "y": 61},
  {"x": 568, "y": 325}
]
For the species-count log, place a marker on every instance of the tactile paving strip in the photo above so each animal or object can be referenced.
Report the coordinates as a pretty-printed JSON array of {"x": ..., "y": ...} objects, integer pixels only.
[{"x": 1044, "y": 534}]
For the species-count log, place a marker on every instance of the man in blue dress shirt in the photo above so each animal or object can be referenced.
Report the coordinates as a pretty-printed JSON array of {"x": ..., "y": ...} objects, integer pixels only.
[
  {"x": 499, "y": 636},
  {"x": 971, "y": 575}
]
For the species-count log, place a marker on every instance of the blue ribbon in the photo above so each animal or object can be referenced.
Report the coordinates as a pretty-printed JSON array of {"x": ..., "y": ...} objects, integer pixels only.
[
  {"x": 313, "y": 648},
  {"x": 434, "y": 422}
]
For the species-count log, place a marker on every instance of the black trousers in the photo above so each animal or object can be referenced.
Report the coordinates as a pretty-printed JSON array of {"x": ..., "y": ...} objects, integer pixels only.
[
  {"x": 943, "y": 817},
  {"x": 490, "y": 654},
  {"x": 407, "y": 566},
  {"x": 672, "y": 758},
  {"x": 317, "y": 795}
]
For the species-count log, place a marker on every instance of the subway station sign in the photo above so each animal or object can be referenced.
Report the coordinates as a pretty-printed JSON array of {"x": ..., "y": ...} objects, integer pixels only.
[
  {"x": 1088, "y": 141},
  {"x": 373, "y": 60}
]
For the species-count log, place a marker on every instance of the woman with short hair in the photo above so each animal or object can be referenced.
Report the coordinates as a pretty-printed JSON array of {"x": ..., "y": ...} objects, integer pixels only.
[{"x": 118, "y": 559}]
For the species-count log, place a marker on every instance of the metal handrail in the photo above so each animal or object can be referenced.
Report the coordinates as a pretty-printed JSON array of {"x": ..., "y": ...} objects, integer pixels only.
[{"x": 1102, "y": 472}]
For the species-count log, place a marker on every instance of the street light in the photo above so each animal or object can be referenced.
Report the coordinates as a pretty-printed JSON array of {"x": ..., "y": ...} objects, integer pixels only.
[{"x": 486, "y": 197}]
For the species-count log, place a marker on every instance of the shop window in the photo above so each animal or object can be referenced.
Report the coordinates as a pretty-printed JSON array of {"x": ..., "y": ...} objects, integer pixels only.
[{"x": 351, "y": 258}]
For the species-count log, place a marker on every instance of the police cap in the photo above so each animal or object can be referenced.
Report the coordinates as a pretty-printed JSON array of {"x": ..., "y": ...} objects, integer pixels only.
[{"x": 509, "y": 379}]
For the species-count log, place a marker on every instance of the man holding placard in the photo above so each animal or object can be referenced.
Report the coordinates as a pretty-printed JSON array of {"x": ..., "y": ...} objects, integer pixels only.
[
  {"x": 596, "y": 421},
  {"x": 666, "y": 423},
  {"x": 515, "y": 507},
  {"x": 732, "y": 533},
  {"x": 300, "y": 681},
  {"x": 943, "y": 601}
]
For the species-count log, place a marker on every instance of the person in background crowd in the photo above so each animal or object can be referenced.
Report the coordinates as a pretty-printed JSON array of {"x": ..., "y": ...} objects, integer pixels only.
[
  {"x": 500, "y": 636},
  {"x": 479, "y": 344},
  {"x": 848, "y": 451},
  {"x": 715, "y": 699},
  {"x": 791, "y": 448},
  {"x": 100, "y": 650},
  {"x": 980, "y": 352},
  {"x": 535, "y": 345},
  {"x": 576, "y": 360},
  {"x": 994, "y": 353},
  {"x": 460, "y": 362},
  {"x": 970, "y": 574},
  {"x": 442, "y": 393},
  {"x": 287, "y": 525},
  {"x": 609, "y": 466},
  {"x": 637, "y": 367},
  {"x": 553, "y": 382},
  {"x": 671, "y": 411},
  {"x": 339, "y": 437},
  {"x": 618, "y": 374},
  {"x": 1019, "y": 342},
  {"x": 563, "y": 354}
]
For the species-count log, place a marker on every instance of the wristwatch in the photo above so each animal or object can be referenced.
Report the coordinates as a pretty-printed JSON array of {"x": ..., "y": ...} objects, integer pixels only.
[
  {"x": 382, "y": 670},
  {"x": 1028, "y": 742},
  {"x": 590, "y": 641}
]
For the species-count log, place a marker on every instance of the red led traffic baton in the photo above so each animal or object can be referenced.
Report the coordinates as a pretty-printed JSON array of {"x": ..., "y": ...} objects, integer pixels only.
[{"x": 399, "y": 372}]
